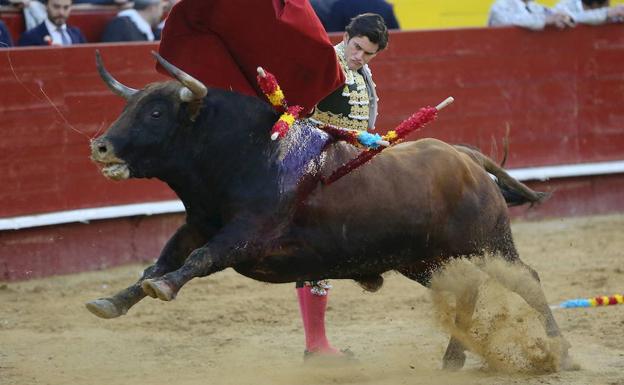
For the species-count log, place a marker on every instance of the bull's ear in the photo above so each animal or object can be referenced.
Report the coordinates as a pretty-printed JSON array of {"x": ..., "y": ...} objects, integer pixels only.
[
  {"x": 194, "y": 105},
  {"x": 194, "y": 108},
  {"x": 198, "y": 89}
]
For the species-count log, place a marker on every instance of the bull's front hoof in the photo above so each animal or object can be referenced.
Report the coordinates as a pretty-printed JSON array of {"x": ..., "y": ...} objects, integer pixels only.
[
  {"x": 104, "y": 308},
  {"x": 158, "y": 288}
]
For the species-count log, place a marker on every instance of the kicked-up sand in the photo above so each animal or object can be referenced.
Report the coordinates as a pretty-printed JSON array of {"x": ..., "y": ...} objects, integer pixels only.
[{"x": 228, "y": 329}]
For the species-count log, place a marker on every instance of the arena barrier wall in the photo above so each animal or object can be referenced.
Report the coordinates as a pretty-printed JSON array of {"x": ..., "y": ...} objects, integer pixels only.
[{"x": 558, "y": 92}]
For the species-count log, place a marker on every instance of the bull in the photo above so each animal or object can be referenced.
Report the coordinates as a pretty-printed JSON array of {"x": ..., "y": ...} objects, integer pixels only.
[{"x": 410, "y": 209}]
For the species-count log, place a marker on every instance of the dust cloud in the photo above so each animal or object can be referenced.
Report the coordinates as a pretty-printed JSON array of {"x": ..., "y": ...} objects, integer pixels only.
[{"x": 504, "y": 331}]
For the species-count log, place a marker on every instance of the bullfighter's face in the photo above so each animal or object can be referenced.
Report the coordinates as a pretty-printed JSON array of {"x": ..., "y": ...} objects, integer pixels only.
[{"x": 359, "y": 50}]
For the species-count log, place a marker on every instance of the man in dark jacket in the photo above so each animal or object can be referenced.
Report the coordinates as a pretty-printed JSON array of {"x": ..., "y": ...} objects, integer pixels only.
[
  {"x": 136, "y": 24},
  {"x": 342, "y": 11},
  {"x": 5, "y": 36},
  {"x": 322, "y": 8},
  {"x": 54, "y": 30}
]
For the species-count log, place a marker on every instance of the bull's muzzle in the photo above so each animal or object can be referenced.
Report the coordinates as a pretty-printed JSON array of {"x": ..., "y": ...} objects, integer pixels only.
[{"x": 112, "y": 167}]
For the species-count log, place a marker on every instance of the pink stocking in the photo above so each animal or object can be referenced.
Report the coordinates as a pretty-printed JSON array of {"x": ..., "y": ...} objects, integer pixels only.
[{"x": 312, "y": 308}]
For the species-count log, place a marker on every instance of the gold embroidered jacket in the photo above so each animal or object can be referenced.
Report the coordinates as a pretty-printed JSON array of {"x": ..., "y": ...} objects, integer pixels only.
[{"x": 352, "y": 106}]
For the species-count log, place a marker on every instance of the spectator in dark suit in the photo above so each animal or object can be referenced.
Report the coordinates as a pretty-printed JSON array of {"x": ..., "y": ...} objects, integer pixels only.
[
  {"x": 342, "y": 11},
  {"x": 54, "y": 30},
  {"x": 322, "y": 8},
  {"x": 136, "y": 24},
  {"x": 5, "y": 36}
]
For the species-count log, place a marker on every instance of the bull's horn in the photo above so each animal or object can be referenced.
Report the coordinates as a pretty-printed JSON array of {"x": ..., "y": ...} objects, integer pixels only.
[
  {"x": 114, "y": 85},
  {"x": 197, "y": 88}
]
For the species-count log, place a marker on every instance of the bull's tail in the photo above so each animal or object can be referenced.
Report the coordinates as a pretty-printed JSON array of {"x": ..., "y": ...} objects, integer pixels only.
[{"x": 515, "y": 192}]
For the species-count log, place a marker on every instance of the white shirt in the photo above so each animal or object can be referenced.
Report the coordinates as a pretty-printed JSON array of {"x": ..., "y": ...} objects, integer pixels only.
[
  {"x": 518, "y": 13},
  {"x": 574, "y": 8},
  {"x": 55, "y": 35}
]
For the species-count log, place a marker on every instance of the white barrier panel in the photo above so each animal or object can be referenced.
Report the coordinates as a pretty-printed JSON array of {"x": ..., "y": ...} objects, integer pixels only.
[
  {"x": 91, "y": 214},
  {"x": 567, "y": 171}
]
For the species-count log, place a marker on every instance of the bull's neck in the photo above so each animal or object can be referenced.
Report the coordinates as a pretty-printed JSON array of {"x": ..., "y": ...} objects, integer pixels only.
[{"x": 233, "y": 163}]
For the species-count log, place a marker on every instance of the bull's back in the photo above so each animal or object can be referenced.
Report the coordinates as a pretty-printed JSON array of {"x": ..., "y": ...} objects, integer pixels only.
[
  {"x": 425, "y": 175},
  {"x": 418, "y": 192}
]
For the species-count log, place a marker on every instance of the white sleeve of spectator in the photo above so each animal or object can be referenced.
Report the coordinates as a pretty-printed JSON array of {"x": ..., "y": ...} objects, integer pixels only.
[
  {"x": 510, "y": 13},
  {"x": 575, "y": 9}
]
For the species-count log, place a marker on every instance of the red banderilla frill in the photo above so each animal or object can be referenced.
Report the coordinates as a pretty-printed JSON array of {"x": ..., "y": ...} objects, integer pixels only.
[
  {"x": 411, "y": 124},
  {"x": 271, "y": 89}
]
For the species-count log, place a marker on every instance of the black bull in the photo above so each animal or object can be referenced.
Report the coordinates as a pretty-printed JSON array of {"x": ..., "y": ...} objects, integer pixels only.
[{"x": 411, "y": 208}]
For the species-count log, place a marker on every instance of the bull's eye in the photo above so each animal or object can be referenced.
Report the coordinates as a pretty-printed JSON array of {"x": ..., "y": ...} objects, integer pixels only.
[{"x": 155, "y": 114}]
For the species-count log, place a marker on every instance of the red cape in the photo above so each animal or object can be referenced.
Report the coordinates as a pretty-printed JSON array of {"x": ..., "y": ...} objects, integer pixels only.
[{"x": 222, "y": 42}]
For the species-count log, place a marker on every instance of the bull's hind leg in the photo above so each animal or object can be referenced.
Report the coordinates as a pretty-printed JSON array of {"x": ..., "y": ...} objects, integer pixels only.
[
  {"x": 529, "y": 288},
  {"x": 531, "y": 292},
  {"x": 185, "y": 240},
  {"x": 455, "y": 355}
]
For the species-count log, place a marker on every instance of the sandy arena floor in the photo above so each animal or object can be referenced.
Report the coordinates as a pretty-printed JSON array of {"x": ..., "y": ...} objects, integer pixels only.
[{"x": 228, "y": 329}]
